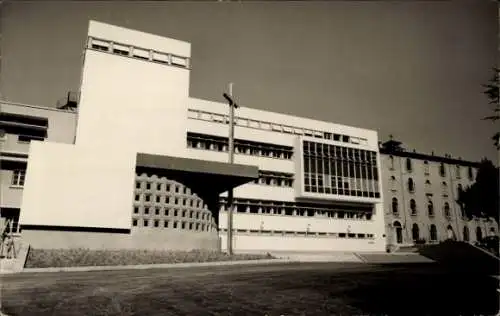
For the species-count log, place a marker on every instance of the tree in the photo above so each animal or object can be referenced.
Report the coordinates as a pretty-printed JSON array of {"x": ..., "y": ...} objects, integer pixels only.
[
  {"x": 481, "y": 198},
  {"x": 491, "y": 93}
]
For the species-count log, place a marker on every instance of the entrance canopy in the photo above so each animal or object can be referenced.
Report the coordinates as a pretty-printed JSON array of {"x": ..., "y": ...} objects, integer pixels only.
[{"x": 203, "y": 177}]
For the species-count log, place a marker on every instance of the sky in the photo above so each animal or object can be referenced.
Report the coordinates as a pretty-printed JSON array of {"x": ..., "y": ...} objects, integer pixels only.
[{"x": 410, "y": 69}]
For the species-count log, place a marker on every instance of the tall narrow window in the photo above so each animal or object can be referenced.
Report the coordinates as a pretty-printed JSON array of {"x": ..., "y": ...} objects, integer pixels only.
[
  {"x": 433, "y": 231},
  {"x": 392, "y": 183},
  {"x": 426, "y": 167},
  {"x": 446, "y": 210},
  {"x": 459, "y": 189},
  {"x": 411, "y": 185},
  {"x": 442, "y": 170},
  {"x": 413, "y": 207},
  {"x": 415, "y": 232},
  {"x": 409, "y": 166},
  {"x": 395, "y": 205},
  {"x": 470, "y": 173},
  {"x": 430, "y": 208}
]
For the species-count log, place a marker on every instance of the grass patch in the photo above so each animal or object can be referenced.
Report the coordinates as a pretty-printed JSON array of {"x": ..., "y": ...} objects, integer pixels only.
[{"x": 55, "y": 258}]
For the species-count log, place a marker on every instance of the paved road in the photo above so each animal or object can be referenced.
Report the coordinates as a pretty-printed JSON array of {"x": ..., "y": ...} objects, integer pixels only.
[{"x": 284, "y": 289}]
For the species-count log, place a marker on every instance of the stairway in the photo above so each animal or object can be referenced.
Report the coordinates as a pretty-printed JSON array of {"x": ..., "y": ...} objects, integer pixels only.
[{"x": 407, "y": 249}]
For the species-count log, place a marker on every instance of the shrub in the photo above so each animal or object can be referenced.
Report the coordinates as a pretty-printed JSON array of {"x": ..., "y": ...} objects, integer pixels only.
[{"x": 44, "y": 258}]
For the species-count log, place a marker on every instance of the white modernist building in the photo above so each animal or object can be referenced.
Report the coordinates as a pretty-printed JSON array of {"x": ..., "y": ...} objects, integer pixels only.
[{"x": 148, "y": 167}]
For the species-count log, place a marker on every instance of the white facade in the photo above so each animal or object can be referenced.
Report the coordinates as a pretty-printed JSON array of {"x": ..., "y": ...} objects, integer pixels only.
[
  {"x": 279, "y": 231},
  {"x": 135, "y": 99}
]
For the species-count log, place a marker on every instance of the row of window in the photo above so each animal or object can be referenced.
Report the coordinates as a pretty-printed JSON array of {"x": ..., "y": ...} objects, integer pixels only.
[
  {"x": 160, "y": 186},
  {"x": 169, "y": 199},
  {"x": 137, "y": 52},
  {"x": 442, "y": 169},
  {"x": 411, "y": 186},
  {"x": 158, "y": 211},
  {"x": 294, "y": 209},
  {"x": 157, "y": 223},
  {"x": 341, "y": 177},
  {"x": 275, "y": 127},
  {"x": 413, "y": 208},
  {"x": 314, "y": 149},
  {"x": 23, "y": 138},
  {"x": 433, "y": 234},
  {"x": 302, "y": 233},
  {"x": 216, "y": 143},
  {"x": 275, "y": 179}
]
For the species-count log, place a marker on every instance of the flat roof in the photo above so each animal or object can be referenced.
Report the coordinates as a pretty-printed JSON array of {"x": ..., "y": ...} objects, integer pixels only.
[{"x": 199, "y": 175}]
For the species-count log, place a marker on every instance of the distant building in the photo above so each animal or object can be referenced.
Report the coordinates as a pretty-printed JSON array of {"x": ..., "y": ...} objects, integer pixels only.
[
  {"x": 421, "y": 193},
  {"x": 19, "y": 125},
  {"x": 143, "y": 165}
]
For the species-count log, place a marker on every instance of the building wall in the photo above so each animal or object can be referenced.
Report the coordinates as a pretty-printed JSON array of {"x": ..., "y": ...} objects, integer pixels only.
[
  {"x": 135, "y": 104},
  {"x": 137, "y": 239},
  {"x": 279, "y": 231},
  {"x": 14, "y": 153},
  {"x": 61, "y": 124},
  {"x": 429, "y": 185},
  {"x": 10, "y": 195},
  {"x": 122, "y": 111},
  {"x": 75, "y": 186}
]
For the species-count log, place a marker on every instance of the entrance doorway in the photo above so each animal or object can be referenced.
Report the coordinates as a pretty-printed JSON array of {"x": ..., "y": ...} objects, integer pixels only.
[
  {"x": 399, "y": 232},
  {"x": 450, "y": 232}
]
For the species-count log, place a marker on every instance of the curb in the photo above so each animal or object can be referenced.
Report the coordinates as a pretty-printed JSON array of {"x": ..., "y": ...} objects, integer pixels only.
[{"x": 154, "y": 266}]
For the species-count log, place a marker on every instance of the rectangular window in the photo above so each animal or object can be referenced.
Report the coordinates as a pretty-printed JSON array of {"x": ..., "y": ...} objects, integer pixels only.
[
  {"x": 319, "y": 164},
  {"x": 265, "y": 126},
  {"x": 160, "y": 57},
  {"x": 179, "y": 61},
  {"x": 100, "y": 45},
  {"x": 120, "y": 49},
  {"x": 140, "y": 53},
  {"x": 18, "y": 178},
  {"x": 28, "y": 138}
]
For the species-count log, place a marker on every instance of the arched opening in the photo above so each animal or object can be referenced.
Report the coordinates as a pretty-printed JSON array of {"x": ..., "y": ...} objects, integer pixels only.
[
  {"x": 393, "y": 183},
  {"x": 446, "y": 210},
  {"x": 479, "y": 234},
  {"x": 459, "y": 189},
  {"x": 466, "y": 233},
  {"x": 450, "y": 232},
  {"x": 399, "y": 232},
  {"x": 409, "y": 166},
  {"x": 413, "y": 207},
  {"x": 411, "y": 185},
  {"x": 415, "y": 232},
  {"x": 394, "y": 205},
  {"x": 433, "y": 232},
  {"x": 442, "y": 171},
  {"x": 430, "y": 208},
  {"x": 471, "y": 174}
]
